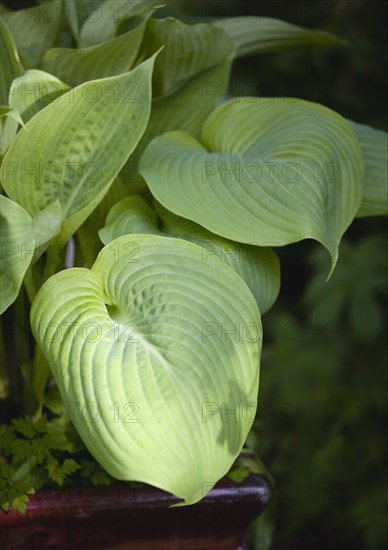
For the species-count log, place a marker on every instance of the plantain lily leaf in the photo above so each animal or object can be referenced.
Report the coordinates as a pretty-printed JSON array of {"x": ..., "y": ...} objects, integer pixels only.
[
  {"x": 17, "y": 242},
  {"x": 255, "y": 35},
  {"x": 10, "y": 112},
  {"x": 88, "y": 232},
  {"x": 46, "y": 226},
  {"x": 101, "y": 25},
  {"x": 9, "y": 122},
  {"x": 33, "y": 91},
  {"x": 184, "y": 93},
  {"x": 8, "y": 129},
  {"x": 65, "y": 37},
  {"x": 75, "y": 14},
  {"x": 268, "y": 172},
  {"x": 374, "y": 146},
  {"x": 35, "y": 29},
  {"x": 78, "y": 12},
  {"x": 163, "y": 349},
  {"x": 186, "y": 109},
  {"x": 258, "y": 267},
  {"x": 40, "y": 166},
  {"x": 188, "y": 50},
  {"x": 75, "y": 66},
  {"x": 128, "y": 216},
  {"x": 10, "y": 65}
]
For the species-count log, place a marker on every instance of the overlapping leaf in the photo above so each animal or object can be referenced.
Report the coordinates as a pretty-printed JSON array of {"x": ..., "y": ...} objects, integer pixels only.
[
  {"x": 201, "y": 84},
  {"x": 22, "y": 241},
  {"x": 101, "y": 24},
  {"x": 78, "y": 12},
  {"x": 374, "y": 146},
  {"x": 266, "y": 173},
  {"x": 46, "y": 226},
  {"x": 10, "y": 65},
  {"x": 87, "y": 235},
  {"x": 158, "y": 344},
  {"x": 9, "y": 122},
  {"x": 114, "y": 57},
  {"x": 35, "y": 29},
  {"x": 33, "y": 91},
  {"x": 255, "y": 34},
  {"x": 186, "y": 109},
  {"x": 73, "y": 148},
  {"x": 205, "y": 46},
  {"x": 16, "y": 242},
  {"x": 258, "y": 267},
  {"x": 188, "y": 50}
]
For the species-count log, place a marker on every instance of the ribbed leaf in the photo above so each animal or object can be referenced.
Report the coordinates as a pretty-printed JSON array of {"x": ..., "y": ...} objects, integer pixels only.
[
  {"x": 101, "y": 25},
  {"x": 10, "y": 112},
  {"x": 46, "y": 226},
  {"x": 163, "y": 349},
  {"x": 188, "y": 50},
  {"x": 10, "y": 65},
  {"x": 80, "y": 11},
  {"x": 88, "y": 232},
  {"x": 9, "y": 122},
  {"x": 73, "y": 149},
  {"x": 192, "y": 88},
  {"x": 131, "y": 215},
  {"x": 186, "y": 109},
  {"x": 268, "y": 172},
  {"x": 374, "y": 146},
  {"x": 16, "y": 243},
  {"x": 258, "y": 267},
  {"x": 73, "y": 16},
  {"x": 254, "y": 35},
  {"x": 33, "y": 91},
  {"x": 114, "y": 57},
  {"x": 35, "y": 29}
]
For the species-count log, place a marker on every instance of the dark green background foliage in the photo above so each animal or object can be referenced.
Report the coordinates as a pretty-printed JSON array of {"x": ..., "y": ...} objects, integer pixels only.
[
  {"x": 322, "y": 407},
  {"x": 322, "y": 413}
]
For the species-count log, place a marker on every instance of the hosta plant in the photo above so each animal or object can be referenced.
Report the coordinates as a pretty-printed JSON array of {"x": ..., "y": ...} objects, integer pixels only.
[{"x": 140, "y": 214}]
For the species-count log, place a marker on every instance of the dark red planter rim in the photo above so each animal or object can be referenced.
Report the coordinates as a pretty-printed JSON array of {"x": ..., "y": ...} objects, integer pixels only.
[{"x": 123, "y": 517}]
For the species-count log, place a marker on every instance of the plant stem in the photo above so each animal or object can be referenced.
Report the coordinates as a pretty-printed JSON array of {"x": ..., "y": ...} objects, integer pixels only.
[
  {"x": 52, "y": 263},
  {"x": 4, "y": 382},
  {"x": 79, "y": 259},
  {"x": 29, "y": 285}
]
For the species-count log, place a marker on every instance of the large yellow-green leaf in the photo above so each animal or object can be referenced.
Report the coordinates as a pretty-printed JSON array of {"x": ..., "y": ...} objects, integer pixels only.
[
  {"x": 255, "y": 34},
  {"x": 33, "y": 91},
  {"x": 35, "y": 29},
  {"x": 16, "y": 243},
  {"x": 374, "y": 146},
  {"x": 10, "y": 65},
  {"x": 72, "y": 149},
  {"x": 258, "y": 267},
  {"x": 268, "y": 172},
  {"x": 161, "y": 351},
  {"x": 114, "y": 57}
]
